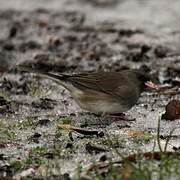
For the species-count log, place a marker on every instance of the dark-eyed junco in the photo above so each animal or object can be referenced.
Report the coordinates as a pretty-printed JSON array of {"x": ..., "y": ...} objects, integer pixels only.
[{"x": 102, "y": 92}]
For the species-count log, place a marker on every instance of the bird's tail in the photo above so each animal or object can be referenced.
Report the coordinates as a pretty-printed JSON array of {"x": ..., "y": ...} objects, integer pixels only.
[{"x": 59, "y": 78}]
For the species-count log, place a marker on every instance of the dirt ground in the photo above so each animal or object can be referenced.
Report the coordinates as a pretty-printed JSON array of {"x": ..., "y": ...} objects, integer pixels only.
[{"x": 72, "y": 36}]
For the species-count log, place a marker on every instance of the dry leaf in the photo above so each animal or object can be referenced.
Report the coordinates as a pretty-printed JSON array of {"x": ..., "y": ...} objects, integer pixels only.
[
  {"x": 81, "y": 130},
  {"x": 131, "y": 132}
]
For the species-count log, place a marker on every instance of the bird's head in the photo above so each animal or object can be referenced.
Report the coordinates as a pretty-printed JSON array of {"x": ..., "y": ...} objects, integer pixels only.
[{"x": 144, "y": 80}]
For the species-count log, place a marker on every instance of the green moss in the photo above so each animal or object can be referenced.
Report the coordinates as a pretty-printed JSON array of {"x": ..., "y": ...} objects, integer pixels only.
[
  {"x": 144, "y": 139},
  {"x": 114, "y": 141},
  {"x": 36, "y": 157},
  {"x": 25, "y": 123},
  {"x": 78, "y": 171},
  {"x": 65, "y": 120},
  {"x": 5, "y": 95},
  {"x": 16, "y": 166},
  {"x": 59, "y": 133},
  {"x": 6, "y": 131},
  {"x": 45, "y": 151},
  {"x": 145, "y": 169},
  {"x": 6, "y": 134},
  {"x": 38, "y": 90}
]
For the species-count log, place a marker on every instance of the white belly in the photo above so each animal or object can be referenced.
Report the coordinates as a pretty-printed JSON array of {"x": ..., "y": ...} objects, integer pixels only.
[
  {"x": 103, "y": 107},
  {"x": 98, "y": 104}
]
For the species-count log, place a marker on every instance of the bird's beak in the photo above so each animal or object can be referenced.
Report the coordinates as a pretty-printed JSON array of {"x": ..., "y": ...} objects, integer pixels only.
[{"x": 151, "y": 85}]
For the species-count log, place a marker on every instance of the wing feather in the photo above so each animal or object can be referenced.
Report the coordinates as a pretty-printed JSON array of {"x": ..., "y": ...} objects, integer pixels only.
[{"x": 109, "y": 83}]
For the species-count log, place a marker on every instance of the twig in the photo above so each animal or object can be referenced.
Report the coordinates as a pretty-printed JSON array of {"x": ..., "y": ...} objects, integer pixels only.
[
  {"x": 158, "y": 135},
  {"x": 81, "y": 130}
]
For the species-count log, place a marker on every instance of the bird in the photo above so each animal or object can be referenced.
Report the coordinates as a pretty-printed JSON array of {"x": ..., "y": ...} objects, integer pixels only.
[{"x": 101, "y": 92}]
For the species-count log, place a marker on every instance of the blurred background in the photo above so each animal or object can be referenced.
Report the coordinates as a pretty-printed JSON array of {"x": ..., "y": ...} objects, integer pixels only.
[{"x": 73, "y": 36}]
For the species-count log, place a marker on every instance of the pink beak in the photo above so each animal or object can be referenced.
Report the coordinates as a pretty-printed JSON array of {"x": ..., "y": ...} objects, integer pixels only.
[{"x": 151, "y": 85}]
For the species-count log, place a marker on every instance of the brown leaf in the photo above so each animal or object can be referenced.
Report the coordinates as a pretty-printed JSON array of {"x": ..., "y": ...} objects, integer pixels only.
[
  {"x": 126, "y": 172},
  {"x": 131, "y": 132}
]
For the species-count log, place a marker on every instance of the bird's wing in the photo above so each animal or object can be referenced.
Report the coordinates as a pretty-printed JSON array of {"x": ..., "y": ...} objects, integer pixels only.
[
  {"x": 109, "y": 83},
  {"x": 112, "y": 83}
]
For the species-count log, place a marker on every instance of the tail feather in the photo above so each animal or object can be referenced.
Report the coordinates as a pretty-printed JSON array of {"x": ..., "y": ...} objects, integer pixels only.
[{"x": 55, "y": 77}]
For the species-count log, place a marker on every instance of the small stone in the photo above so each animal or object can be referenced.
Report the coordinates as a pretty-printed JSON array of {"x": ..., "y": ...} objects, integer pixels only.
[
  {"x": 13, "y": 32},
  {"x": 161, "y": 51},
  {"x": 69, "y": 145},
  {"x": 145, "y": 48},
  {"x": 176, "y": 148},
  {"x": 103, "y": 158},
  {"x": 66, "y": 176},
  {"x": 8, "y": 46},
  {"x": 35, "y": 137},
  {"x": 43, "y": 122},
  {"x": 3, "y": 101},
  {"x": 172, "y": 110}
]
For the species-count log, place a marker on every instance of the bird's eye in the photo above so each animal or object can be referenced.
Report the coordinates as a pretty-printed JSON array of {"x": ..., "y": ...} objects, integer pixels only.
[{"x": 143, "y": 78}]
